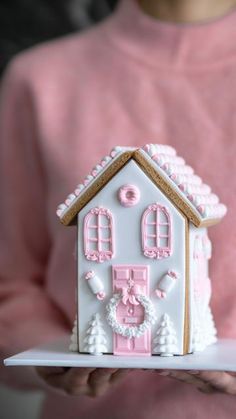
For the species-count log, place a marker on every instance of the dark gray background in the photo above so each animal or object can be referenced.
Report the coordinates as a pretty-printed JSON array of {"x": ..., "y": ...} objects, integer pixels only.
[{"x": 24, "y": 23}]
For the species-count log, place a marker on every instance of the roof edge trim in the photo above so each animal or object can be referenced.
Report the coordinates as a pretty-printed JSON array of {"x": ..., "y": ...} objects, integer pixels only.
[{"x": 97, "y": 185}]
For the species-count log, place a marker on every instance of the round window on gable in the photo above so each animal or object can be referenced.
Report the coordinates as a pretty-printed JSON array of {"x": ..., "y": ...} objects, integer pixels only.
[{"x": 128, "y": 195}]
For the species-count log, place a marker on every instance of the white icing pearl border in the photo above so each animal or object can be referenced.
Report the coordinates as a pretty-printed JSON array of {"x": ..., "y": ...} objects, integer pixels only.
[{"x": 130, "y": 331}]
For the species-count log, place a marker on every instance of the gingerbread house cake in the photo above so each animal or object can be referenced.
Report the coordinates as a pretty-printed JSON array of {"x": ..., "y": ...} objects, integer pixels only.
[{"x": 142, "y": 253}]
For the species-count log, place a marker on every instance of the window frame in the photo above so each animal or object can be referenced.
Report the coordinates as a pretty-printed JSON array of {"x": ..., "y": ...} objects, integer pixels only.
[
  {"x": 98, "y": 255},
  {"x": 157, "y": 251}
]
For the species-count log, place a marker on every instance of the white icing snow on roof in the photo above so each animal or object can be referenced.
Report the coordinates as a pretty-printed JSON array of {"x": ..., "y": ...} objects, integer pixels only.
[{"x": 190, "y": 186}]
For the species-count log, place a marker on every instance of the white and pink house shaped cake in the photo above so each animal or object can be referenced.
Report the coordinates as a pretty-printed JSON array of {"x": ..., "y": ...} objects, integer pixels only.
[{"x": 142, "y": 254}]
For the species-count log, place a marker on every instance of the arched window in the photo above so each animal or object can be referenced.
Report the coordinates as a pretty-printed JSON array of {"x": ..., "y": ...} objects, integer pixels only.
[
  {"x": 98, "y": 235},
  {"x": 156, "y": 232}
]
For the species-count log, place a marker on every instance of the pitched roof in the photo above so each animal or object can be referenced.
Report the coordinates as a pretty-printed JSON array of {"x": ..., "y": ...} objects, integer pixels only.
[{"x": 168, "y": 171}]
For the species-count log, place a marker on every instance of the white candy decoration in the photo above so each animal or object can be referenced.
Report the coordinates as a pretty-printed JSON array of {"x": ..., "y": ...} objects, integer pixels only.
[
  {"x": 116, "y": 150},
  {"x": 166, "y": 283},
  {"x": 105, "y": 161},
  {"x": 88, "y": 179},
  {"x": 95, "y": 340},
  {"x": 96, "y": 285},
  {"x": 78, "y": 189},
  {"x": 70, "y": 199},
  {"x": 60, "y": 209},
  {"x": 165, "y": 340},
  {"x": 74, "y": 347}
]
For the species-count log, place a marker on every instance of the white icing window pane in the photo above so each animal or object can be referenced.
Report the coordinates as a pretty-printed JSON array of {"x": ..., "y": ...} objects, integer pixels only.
[
  {"x": 163, "y": 242},
  {"x": 93, "y": 220},
  {"x": 93, "y": 245},
  {"x": 93, "y": 233},
  {"x": 151, "y": 218},
  {"x": 163, "y": 230},
  {"x": 105, "y": 233},
  {"x": 104, "y": 221},
  {"x": 162, "y": 217},
  {"x": 105, "y": 246},
  {"x": 151, "y": 229},
  {"x": 151, "y": 242}
]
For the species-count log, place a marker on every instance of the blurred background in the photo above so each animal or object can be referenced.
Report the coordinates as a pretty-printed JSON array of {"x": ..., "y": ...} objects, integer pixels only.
[{"x": 23, "y": 24}]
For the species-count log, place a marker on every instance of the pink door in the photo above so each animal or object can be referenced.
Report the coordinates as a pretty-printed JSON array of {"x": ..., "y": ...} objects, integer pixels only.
[{"x": 131, "y": 276}]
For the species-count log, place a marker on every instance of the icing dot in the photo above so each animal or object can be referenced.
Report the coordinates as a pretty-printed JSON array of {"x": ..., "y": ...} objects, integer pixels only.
[
  {"x": 70, "y": 199},
  {"x": 87, "y": 180}
]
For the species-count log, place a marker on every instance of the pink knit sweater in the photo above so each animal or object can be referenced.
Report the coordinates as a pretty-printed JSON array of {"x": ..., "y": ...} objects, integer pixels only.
[{"x": 129, "y": 81}]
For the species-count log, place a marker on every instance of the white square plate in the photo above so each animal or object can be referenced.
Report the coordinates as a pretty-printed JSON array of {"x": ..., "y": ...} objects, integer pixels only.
[{"x": 221, "y": 356}]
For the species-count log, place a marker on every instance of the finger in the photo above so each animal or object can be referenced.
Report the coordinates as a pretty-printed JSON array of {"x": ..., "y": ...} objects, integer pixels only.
[
  {"x": 44, "y": 372},
  {"x": 99, "y": 380},
  {"x": 163, "y": 373},
  {"x": 222, "y": 381},
  {"x": 119, "y": 375},
  {"x": 73, "y": 381},
  {"x": 76, "y": 381},
  {"x": 188, "y": 378}
]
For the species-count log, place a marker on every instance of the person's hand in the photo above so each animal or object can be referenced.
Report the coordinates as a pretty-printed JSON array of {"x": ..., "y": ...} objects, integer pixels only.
[
  {"x": 206, "y": 381},
  {"x": 92, "y": 382}
]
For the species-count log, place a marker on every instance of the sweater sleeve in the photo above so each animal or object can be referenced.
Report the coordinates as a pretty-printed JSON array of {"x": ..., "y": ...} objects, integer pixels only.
[{"x": 27, "y": 315}]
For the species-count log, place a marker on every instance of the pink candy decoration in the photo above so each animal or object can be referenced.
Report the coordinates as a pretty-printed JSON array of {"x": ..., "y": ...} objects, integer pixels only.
[
  {"x": 201, "y": 209},
  {"x": 160, "y": 294},
  {"x": 190, "y": 197},
  {"x": 101, "y": 295},
  {"x": 172, "y": 274},
  {"x": 89, "y": 275},
  {"x": 146, "y": 147},
  {"x": 182, "y": 187},
  {"x": 129, "y": 195}
]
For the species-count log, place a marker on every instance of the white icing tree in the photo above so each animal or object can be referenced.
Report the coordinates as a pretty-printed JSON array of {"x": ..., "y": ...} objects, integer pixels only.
[
  {"x": 198, "y": 340},
  {"x": 74, "y": 338},
  {"x": 210, "y": 331},
  {"x": 165, "y": 340},
  {"x": 95, "y": 339}
]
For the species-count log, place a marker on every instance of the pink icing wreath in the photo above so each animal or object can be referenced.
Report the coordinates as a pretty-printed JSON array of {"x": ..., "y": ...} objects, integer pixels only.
[{"x": 129, "y": 195}]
